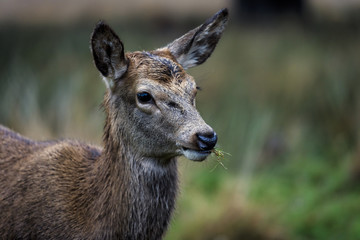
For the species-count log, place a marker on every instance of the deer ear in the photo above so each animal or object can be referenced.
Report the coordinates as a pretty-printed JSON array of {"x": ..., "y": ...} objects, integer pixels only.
[
  {"x": 108, "y": 53},
  {"x": 196, "y": 46}
]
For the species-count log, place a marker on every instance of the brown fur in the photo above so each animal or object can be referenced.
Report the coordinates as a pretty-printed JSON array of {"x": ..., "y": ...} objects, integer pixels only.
[{"x": 126, "y": 190}]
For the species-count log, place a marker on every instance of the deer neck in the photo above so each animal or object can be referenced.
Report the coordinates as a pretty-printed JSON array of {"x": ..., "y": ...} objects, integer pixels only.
[{"x": 137, "y": 192}]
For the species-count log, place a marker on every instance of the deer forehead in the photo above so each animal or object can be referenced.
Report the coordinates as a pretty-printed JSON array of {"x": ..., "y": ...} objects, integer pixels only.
[{"x": 159, "y": 70}]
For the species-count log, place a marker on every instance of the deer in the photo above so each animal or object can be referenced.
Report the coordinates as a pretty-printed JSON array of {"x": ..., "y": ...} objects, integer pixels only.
[{"x": 126, "y": 189}]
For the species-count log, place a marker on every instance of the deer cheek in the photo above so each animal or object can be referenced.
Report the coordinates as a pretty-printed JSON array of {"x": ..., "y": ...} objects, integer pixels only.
[{"x": 149, "y": 109}]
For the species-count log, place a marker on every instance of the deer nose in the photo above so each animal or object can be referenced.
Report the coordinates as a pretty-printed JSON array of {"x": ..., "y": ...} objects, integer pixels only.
[{"x": 206, "y": 141}]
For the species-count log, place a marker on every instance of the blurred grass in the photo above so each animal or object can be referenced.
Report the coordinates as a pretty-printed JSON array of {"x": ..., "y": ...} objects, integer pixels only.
[{"x": 283, "y": 99}]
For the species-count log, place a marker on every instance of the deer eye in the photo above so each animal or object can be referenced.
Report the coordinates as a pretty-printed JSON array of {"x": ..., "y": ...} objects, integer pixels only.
[{"x": 144, "y": 97}]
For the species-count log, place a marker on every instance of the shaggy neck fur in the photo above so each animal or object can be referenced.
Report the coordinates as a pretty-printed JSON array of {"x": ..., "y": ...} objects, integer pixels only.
[{"x": 138, "y": 193}]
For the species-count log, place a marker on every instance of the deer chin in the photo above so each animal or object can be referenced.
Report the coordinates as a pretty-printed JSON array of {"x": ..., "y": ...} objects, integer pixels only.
[{"x": 195, "y": 155}]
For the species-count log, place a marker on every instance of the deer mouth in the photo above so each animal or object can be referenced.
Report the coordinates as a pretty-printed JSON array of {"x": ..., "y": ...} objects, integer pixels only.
[{"x": 195, "y": 155}]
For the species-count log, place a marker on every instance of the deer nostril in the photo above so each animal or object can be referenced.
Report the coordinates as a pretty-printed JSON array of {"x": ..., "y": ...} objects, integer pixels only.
[{"x": 206, "y": 141}]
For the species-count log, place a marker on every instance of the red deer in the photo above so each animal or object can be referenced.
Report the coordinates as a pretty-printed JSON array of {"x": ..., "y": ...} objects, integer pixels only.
[{"x": 65, "y": 189}]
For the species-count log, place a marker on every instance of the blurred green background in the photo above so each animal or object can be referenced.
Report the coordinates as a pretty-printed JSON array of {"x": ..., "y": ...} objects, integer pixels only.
[{"x": 281, "y": 90}]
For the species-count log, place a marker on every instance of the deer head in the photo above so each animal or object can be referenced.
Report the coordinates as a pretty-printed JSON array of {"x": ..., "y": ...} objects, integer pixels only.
[{"x": 150, "y": 100}]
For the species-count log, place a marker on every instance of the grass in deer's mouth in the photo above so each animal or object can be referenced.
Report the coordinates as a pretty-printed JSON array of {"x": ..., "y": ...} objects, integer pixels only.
[{"x": 220, "y": 156}]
